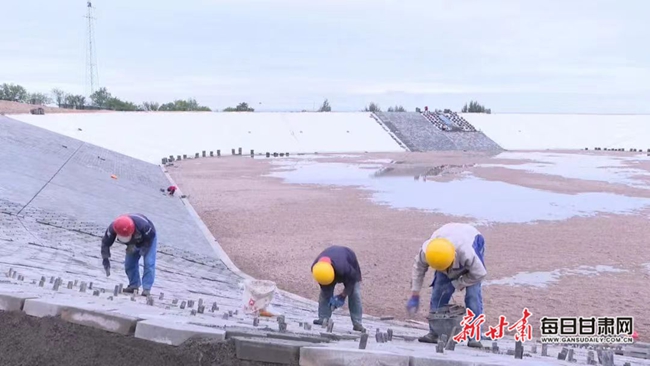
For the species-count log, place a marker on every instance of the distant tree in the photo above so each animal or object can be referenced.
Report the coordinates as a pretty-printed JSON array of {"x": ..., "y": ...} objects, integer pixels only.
[
  {"x": 241, "y": 107},
  {"x": 183, "y": 106},
  {"x": 100, "y": 98},
  {"x": 417, "y": 109},
  {"x": 325, "y": 107},
  {"x": 397, "y": 108},
  {"x": 150, "y": 106},
  {"x": 59, "y": 96},
  {"x": 475, "y": 107},
  {"x": 116, "y": 104},
  {"x": 13, "y": 93},
  {"x": 75, "y": 101},
  {"x": 446, "y": 110},
  {"x": 372, "y": 107},
  {"x": 39, "y": 98}
]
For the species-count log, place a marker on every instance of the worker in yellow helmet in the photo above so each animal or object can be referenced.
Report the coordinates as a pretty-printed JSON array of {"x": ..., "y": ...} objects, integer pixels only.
[
  {"x": 338, "y": 264},
  {"x": 456, "y": 252}
]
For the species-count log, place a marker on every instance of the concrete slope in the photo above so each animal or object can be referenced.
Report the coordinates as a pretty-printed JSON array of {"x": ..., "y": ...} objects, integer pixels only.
[
  {"x": 48, "y": 172},
  {"x": 154, "y": 135},
  {"x": 472, "y": 141},
  {"x": 416, "y": 131},
  {"x": 420, "y": 134},
  {"x": 564, "y": 131}
]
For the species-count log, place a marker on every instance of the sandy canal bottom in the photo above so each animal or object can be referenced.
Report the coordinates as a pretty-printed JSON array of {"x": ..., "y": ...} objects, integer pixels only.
[{"x": 566, "y": 233}]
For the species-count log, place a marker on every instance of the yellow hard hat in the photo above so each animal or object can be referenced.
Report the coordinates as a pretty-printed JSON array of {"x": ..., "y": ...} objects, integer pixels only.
[
  {"x": 440, "y": 254},
  {"x": 323, "y": 273}
]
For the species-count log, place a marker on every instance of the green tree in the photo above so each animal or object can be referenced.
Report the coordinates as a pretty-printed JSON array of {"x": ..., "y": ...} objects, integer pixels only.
[
  {"x": 372, "y": 107},
  {"x": 13, "y": 93},
  {"x": 151, "y": 106},
  {"x": 397, "y": 108},
  {"x": 75, "y": 101},
  {"x": 241, "y": 107},
  {"x": 116, "y": 104},
  {"x": 475, "y": 107},
  {"x": 184, "y": 105},
  {"x": 59, "y": 96},
  {"x": 418, "y": 110},
  {"x": 39, "y": 98},
  {"x": 100, "y": 98},
  {"x": 325, "y": 107}
]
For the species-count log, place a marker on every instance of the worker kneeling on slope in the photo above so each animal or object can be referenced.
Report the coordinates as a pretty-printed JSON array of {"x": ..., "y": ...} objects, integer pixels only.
[
  {"x": 456, "y": 253},
  {"x": 338, "y": 264},
  {"x": 138, "y": 233}
]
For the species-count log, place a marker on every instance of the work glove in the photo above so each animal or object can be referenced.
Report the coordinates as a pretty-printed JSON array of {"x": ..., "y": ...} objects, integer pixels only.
[
  {"x": 107, "y": 266},
  {"x": 413, "y": 304},
  {"x": 337, "y": 301}
]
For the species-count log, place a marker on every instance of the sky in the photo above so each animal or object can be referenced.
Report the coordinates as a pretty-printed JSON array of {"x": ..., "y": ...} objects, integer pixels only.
[{"x": 526, "y": 56}]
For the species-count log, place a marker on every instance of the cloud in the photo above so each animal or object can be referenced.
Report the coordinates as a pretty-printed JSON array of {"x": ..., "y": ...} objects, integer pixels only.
[{"x": 511, "y": 52}]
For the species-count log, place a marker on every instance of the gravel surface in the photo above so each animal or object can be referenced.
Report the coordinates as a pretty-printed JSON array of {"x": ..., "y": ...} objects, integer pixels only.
[
  {"x": 29, "y": 341},
  {"x": 274, "y": 230}
]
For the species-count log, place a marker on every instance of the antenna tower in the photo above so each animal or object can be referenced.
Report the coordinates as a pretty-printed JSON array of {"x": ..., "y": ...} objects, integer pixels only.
[{"x": 92, "y": 77}]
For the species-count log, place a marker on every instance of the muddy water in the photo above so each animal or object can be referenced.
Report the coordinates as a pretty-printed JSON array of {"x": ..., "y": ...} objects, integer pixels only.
[{"x": 469, "y": 196}]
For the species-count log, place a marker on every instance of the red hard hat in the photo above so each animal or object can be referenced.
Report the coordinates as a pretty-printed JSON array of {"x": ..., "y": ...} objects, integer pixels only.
[{"x": 124, "y": 226}]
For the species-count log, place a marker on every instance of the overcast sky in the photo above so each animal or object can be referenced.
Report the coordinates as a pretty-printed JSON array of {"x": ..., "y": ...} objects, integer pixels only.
[{"x": 511, "y": 55}]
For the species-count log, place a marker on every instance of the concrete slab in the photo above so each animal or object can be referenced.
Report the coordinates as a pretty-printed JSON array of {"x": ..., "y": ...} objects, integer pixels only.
[
  {"x": 13, "y": 302},
  {"x": 247, "y": 333},
  {"x": 175, "y": 333},
  {"x": 112, "y": 322},
  {"x": 298, "y": 337},
  {"x": 41, "y": 308},
  {"x": 331, "y": 356},
  {"x": 472, "y": 360},
  {"x": 269, "y": 350}
]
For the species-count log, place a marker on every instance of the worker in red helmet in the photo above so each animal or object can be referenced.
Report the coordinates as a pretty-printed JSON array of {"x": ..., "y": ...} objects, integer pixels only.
[{"x": 138, "y": 233}]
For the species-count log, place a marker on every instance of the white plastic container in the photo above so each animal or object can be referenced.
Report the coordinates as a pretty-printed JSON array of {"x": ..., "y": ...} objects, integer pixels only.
[{"x": 258, "y": 294}]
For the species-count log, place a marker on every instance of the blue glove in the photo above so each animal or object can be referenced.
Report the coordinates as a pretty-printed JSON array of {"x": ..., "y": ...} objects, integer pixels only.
[
  {"x": 337, "y": 301},
  {"x": 107, "y": 266},
  {"x": 413, "y": 304}
]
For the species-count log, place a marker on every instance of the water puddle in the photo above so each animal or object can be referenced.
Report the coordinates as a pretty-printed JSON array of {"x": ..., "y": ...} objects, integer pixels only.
[
  {"x": 544, "y": 279},
  {"x": 610, "y": 169},
  {"x": 322, "y": 156},
  {"x": 468, "y": 196}
]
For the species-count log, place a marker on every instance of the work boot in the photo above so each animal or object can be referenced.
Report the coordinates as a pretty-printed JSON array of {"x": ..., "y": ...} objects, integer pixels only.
[
  {"x": 318, "y": 321},
  {"x": 358, "y": 328},
  {"x": 146, "y": 292},
  {"x": 129, "y": 289},
  {"x": 429, "y": 338},
  {"x": 473, "y": 343}
]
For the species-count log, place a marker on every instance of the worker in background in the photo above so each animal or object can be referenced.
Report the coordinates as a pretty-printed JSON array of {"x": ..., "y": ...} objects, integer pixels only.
[
  {"x": 456, "y": 253},
  {"x": 338, "y": 264},
  {"x": 138, "y": 233},
  {"x": 171, "y": 190}
]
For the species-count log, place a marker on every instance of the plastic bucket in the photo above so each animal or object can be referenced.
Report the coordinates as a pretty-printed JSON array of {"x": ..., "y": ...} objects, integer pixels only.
[{"x": 258, "y": 294}]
